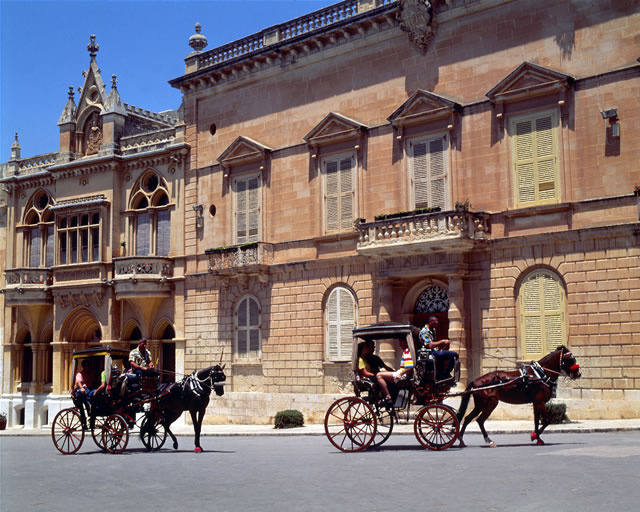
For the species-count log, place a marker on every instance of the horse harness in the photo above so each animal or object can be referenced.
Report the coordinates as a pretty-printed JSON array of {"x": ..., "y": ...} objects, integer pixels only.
[{"x": 197, "y": 386}]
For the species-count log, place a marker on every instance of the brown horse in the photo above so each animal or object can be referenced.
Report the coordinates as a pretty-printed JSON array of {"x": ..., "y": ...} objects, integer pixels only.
[
  {"x": 535, "y": 384},
  {"x": 191, "y": 394}
]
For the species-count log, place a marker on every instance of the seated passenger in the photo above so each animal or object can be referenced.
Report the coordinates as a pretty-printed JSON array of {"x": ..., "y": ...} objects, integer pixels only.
[
  {"x": 366, "y": 371},
  {"x": 375, "y": 362},
  {"x": 82, "y": 392},
  {"x": 445, "y": 358},
  {"x": 406, "y": 366}
]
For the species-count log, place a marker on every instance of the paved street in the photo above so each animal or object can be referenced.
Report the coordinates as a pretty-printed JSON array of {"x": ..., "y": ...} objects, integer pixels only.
[{"x": 573, "y": 472}]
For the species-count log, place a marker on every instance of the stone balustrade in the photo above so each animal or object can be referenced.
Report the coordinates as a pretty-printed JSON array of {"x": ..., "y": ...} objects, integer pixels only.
[
  {"x": 37, "y": 162},
  {"x": 303, "y": 25},
  {"x": 143, "y": 266},
  {"x": 424, "y": 231},
  {"x": 28, "y": 277},
  {"x": 147, "y": 141},
  {"x": 241, "y": 259}
]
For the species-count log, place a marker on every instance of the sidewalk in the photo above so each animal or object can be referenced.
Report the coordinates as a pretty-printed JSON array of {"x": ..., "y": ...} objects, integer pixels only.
[{"x": 494, "y": 427}]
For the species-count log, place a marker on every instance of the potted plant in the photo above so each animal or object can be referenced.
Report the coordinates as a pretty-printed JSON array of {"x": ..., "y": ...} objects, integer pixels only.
[{"x": 3, "y": 420}]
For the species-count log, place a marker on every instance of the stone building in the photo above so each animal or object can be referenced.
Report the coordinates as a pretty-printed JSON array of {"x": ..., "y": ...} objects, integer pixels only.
[
  {"x": 90, "y": 238},
  {"x": 376, "y": 160},
  {"x": 384, "y": 160}
]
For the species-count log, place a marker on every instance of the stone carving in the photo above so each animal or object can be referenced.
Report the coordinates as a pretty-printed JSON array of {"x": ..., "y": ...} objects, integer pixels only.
[
  {"x": 416, "y": 18},
  {"x": 80, "y": 299},
  {"x": 78, "y": 275},
  {"x": 93, "y": 134}
]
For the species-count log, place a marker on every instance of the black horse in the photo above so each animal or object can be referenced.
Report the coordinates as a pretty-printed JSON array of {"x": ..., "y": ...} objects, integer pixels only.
[
  {"x": 535, "y": 385},
  {"x": 191, "y": 394}
]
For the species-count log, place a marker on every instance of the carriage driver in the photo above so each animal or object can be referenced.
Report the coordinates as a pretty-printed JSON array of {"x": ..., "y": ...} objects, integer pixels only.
[
  {"x": 140, "y": 358},
  {"x": 445, "y": 358}
]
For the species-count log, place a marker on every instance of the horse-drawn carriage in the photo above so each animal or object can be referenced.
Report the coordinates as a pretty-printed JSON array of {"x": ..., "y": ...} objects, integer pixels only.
[
  {"x": 358, "y": 422},
  {"x": 128, "y": 401},
  {"x": 364, "y": 420},
  {"x": 111, "y": 413}
]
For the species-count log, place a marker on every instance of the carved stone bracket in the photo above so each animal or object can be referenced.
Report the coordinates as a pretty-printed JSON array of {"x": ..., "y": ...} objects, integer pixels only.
[{"x": 417, "y": 19}]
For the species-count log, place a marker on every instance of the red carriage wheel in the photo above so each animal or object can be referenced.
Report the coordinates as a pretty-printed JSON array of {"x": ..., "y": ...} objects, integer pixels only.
[
  {"x": 350, "y": 424},
  {"x": 384, "y": 416},
  {"x": 67, "y": 432},
  {"x": 153, "y": 433},
  {"x": 115, "y": 434},
  {"x": 96, "y": 433},
  {"x": 436, "y": 427}
]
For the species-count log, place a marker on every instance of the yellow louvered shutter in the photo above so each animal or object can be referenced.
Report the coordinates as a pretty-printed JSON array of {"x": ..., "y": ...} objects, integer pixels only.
[
  {"x": 429, "y": 161},
  {"x": 247, "y": 193},
  {"x": 542, "y": 314},
  {"x": 340, "y": 324},
  {"x": 339, "y": 194},
  {"x": 535, "y": 158}
]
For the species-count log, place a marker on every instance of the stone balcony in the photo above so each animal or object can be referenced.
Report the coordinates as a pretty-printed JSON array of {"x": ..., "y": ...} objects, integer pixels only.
[
  {"x": 28, "y": 286},
  {"x": 241, "y": 261},
  {"x": 142, "y": 276},
  {"x": 419, "y": 233}
]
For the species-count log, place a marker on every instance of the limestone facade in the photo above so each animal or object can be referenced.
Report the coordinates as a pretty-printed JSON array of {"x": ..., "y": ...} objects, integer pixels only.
[
  {"x": 345, "y": 168},
  {"x": 519, "y": 227}
]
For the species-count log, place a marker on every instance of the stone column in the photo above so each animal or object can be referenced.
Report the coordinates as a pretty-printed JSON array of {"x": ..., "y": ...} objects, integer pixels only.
[
  {"x": 456, "y": 323},
  {"x": 155, "y": 349},
  {"x": 39, "y": 367},
  {"x": 385, "y": 299}
]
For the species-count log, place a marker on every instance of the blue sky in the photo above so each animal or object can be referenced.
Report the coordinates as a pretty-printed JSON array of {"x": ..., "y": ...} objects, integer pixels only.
[{"x": 43, "y": 50}]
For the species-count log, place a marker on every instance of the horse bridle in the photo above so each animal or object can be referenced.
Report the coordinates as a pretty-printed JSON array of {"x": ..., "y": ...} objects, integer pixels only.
[{"x": 564, "y": 352}]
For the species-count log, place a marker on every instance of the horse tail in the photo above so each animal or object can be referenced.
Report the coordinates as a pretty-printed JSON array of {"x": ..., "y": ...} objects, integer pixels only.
[{"x": 465, "y": 402}]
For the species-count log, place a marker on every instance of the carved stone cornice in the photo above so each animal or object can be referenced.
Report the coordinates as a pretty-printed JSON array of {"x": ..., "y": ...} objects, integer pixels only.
[{"x": 285, "y": 44}]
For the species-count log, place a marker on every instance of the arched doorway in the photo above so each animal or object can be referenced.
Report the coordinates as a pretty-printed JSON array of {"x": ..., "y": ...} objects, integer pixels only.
[{"x": 433, "y": 301}]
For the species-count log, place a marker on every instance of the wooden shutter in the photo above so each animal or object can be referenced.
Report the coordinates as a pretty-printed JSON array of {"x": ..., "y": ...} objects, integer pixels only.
[
  {"x": 247, "y": 209},
  {"x": 143, "y": 234},
  {"x": 332, "y": 199},
  {"x": 340, "y": 324},
  {"x": 420, "y": 175},
  {"x": 35, "y": 249},
  {"x": 535, "y": 159},
  {"x": 346, "y": 193},
  {"x": 241, "y": 329},
  {"x": 429, "y": 160},
  {"x": 542, "y": 312},
  {"x": 438, "y": 172},
  {"x": 339, "y": 194},
  {"x": 248, "y": 328},
  {"x": 254, "y": 326},
  {"x": 164, "y": 233}
]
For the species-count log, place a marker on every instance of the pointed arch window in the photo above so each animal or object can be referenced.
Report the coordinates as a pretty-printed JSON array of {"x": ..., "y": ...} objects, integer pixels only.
[
  {"x": 248, "y": 336},
  {"x": 341, "y": 318},
  {"x": 150, "y": 216},
  {"x": 38, "y": 231},
  {"x": 542, "y": 304}
]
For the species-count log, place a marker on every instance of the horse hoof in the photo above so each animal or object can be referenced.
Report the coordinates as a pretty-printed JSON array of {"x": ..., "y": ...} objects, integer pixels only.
[
  {"x": 492, "y": 445},
  {"x": 462, "y": 445},
  {"x": 534, "y": 436},
  {"x": 175, "y": 445},
  {"x": 540, "y": 442},
  {"x": 198, "y": 449}
]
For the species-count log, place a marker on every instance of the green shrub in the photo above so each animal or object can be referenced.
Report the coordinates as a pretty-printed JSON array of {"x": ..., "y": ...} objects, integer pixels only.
[
  {"x": 289, "y": 419},
  {"x": 557, "y": 413}
]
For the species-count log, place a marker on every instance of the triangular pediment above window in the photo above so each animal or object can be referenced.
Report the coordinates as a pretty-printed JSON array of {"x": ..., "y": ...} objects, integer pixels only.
[
  {"x": 529, "y": 80},
  {"x": 334, "y": 128},
  {"x": 243, "y": 150},
  {"x": 422, "y": 106}
]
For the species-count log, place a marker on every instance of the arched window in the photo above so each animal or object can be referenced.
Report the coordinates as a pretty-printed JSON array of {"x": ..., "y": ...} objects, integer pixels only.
[
  {"x": 248, "y": 338},
  {"x": 340, "y": 321},
  {"x": 38, "y": 231},
  {"x": 541, "y": 301},
  {"x": 151, "y": 216}
]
